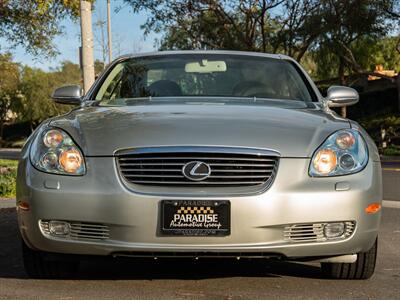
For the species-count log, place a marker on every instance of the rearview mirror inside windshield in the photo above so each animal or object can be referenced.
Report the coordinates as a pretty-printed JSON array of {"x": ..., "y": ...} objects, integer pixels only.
[{"x": 205, "y": 66}]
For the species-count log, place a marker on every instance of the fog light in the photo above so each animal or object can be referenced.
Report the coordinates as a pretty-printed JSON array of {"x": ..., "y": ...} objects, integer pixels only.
[
  {"x": 59, "y": 228},
  {"x": 334, "y": 230}
]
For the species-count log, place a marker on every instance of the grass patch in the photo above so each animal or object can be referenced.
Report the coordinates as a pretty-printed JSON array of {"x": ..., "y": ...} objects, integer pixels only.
[{"x": 8, "y": 176}]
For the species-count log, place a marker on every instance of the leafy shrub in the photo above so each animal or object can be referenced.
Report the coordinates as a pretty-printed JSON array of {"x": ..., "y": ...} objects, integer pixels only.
[
  {"x": 390, "y": 124},
  {"x": 8, "y": 175},
  {"x": 392, "y": 150}
]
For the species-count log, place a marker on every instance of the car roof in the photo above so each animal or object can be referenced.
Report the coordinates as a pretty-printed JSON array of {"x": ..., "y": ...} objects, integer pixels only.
[{"x": 174, "y": 52}]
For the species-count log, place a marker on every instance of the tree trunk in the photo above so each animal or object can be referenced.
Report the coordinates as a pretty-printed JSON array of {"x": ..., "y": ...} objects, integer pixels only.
[
  {"x": 341, "y": 76},
  {"x": 398, "y": 89},
  {"x": 87, "y": 44},
  {"x": 398, "y": 75},
  {"x": 1, "y": 132},
  {"x": 262, "y": 25}
]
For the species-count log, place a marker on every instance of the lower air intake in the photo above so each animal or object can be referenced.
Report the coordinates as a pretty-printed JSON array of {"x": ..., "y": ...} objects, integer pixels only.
[
  {"x": 314, "y": 232},
  {"x": 80, "y": 231}
]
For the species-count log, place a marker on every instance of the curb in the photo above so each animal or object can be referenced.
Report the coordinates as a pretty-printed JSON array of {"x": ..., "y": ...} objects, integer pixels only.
[
  {"x": 10, "y": 149},
  {"x": 391, "y": 204},
  {"x": 390, "y": 158},
  {"x": 7, "y": 203}
]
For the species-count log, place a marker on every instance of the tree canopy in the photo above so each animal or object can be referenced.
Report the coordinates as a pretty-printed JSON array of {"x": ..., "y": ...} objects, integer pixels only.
[
  {"x": 33, "y": 24},
  {"x": 9, "y": 81},
  {"x": 332, "y": 31}
]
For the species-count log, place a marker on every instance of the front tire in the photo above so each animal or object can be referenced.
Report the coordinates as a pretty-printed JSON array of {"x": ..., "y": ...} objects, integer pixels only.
[
  {"x": 362, "y": 268},
  {"x": 38, "y": 267}
]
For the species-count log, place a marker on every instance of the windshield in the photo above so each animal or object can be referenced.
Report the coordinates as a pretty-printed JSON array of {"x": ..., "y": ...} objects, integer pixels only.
[{"x": 202, "y": 76}]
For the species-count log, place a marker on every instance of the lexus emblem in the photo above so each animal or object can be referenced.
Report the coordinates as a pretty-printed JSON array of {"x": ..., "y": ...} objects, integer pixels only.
[{"x": 196, "y": 170}]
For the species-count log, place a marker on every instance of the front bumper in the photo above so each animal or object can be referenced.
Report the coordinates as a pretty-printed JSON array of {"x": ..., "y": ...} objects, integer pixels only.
[{"x": 257, "y": 221}]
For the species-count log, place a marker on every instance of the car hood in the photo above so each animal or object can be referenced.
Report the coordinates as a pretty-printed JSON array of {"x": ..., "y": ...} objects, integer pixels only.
[{"x": 101, "y": 131}]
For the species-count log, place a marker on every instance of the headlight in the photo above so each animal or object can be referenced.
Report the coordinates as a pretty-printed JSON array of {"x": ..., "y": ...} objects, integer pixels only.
[
  {"x": 344, "y": 152},
  {"x": 53, "y": 151}
]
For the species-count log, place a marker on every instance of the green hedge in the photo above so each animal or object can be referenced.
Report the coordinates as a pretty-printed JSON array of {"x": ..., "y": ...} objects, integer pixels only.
[
  {"x": 8, "y": 176},
  {"x": 391, "y": 150},
  {"x": 391, "y": 126}
]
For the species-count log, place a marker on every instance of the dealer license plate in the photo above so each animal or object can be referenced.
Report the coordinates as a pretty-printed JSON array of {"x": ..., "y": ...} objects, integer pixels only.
[{"x": 195, "y": 217}]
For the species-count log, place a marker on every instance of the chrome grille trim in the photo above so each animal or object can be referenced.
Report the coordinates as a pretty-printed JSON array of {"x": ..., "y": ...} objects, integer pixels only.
[
  {"x": 313, "y": 232},
  {"x": 44, "y": 226},
  {"x": 80, "y": 231},
  {"x": 194, "y": 158},
  {"x": 211, "y": 165},
  {"x": 229, "y": 166},
  {"x": 199, "y": 182}
]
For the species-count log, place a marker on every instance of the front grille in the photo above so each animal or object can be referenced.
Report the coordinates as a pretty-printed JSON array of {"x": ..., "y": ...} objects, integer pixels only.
[
  {"x": 81, "y": 231},
  {"x": 312, "y": 232},
  {"x": 230, "y": 167}
]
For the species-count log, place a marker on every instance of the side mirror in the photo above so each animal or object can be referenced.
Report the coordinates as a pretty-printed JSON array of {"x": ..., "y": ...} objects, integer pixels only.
[
  {"x": 69, "y": 94},
  {"x": 340, "y": 96}
]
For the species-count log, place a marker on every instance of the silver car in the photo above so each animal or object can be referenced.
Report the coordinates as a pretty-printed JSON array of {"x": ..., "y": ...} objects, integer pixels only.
[{"x": 201, "y": 154}]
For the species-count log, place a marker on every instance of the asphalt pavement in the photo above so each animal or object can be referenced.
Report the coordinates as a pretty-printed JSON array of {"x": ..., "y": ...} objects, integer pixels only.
[{"x": 202, "y": 279}]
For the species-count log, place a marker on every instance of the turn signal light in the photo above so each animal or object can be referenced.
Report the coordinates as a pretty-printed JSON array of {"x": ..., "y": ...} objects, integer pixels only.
[
  {"x": 22, "y": 205},
  {"x": 373, "y": 208}
]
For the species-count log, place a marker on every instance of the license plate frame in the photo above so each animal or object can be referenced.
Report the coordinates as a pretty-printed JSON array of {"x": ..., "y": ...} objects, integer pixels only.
[{"x": 209, "y": 215}]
